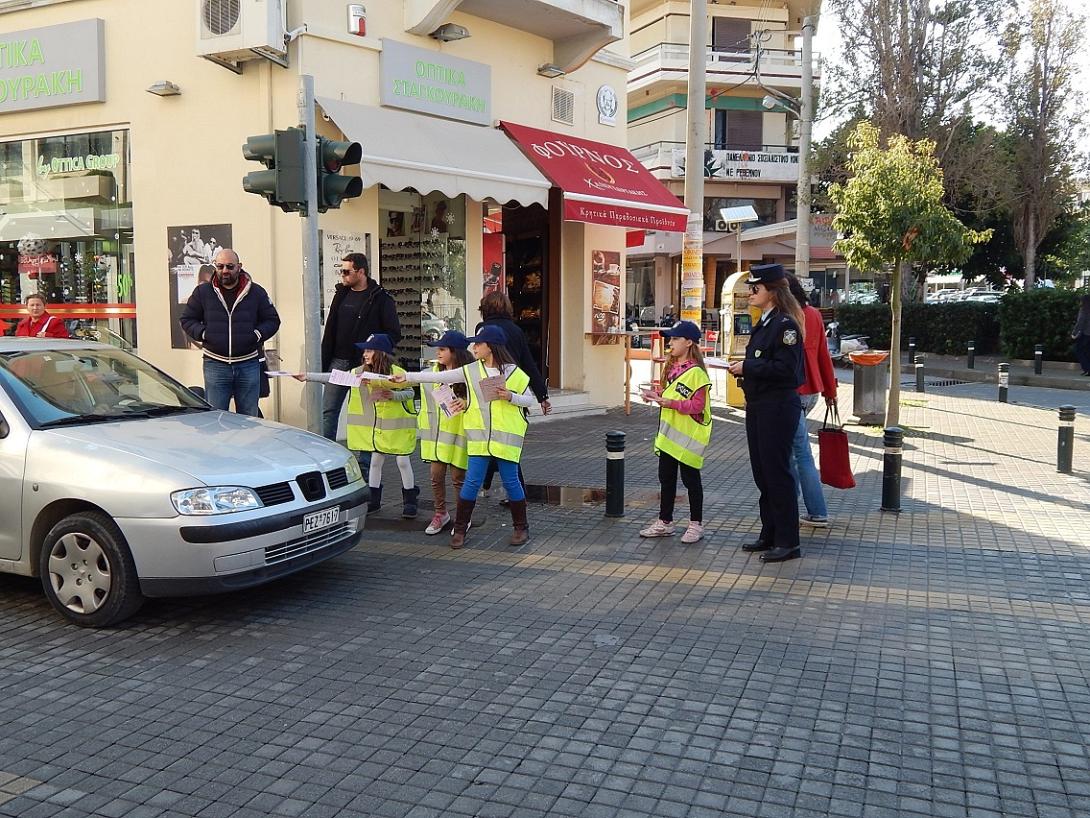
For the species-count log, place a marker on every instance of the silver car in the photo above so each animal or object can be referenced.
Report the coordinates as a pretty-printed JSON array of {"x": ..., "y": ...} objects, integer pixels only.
[{"x": 117, "y": 483}]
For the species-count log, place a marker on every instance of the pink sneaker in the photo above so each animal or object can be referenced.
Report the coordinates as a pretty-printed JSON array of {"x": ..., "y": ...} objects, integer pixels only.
[
  {"x": 694, "y": 533},
  {"x": 658, "y": 529},
  {"x": 437, "y": 524}
]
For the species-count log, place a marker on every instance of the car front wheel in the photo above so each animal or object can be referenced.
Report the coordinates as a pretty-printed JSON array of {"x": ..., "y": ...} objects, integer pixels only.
[{"x": 87, "y": 571}]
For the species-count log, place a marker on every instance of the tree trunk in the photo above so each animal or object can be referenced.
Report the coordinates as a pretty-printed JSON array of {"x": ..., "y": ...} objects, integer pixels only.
[
  {"x": 1030, "y": 252},
  {"x": 893, "y": 407}
]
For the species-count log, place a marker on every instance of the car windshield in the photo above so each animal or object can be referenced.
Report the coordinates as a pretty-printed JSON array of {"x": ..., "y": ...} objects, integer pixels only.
[{"x": 72, "y": 386}]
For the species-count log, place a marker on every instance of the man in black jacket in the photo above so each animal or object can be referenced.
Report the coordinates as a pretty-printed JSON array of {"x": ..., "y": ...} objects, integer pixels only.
[
  {"x": 230, "y": 317},
  {"x": 360, "y": 308}
]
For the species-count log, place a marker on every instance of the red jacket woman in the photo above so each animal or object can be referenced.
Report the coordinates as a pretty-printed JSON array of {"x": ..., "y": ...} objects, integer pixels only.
[{"x": 39, "y": 323}]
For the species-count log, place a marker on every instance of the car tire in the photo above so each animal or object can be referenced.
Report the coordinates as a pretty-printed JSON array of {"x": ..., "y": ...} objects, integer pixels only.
[{"x": 87, "y": 571}]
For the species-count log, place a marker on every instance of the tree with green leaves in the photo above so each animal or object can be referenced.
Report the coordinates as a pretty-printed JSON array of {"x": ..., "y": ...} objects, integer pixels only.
[{"x": 891, "y": 214}]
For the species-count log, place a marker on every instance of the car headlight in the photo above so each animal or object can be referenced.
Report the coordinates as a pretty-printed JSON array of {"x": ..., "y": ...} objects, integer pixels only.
[
  {"x": 352, "y": 470},
  {"x": 214, "y": 500}
]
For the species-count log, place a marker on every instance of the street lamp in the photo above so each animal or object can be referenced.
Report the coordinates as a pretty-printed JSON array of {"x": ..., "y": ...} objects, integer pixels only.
[
  {"x": 803, "y": 108},
  {"x": 735, "y": 217}
]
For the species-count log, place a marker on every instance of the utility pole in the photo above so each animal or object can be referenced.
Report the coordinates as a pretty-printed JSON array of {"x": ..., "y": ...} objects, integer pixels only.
[
  {"x": 312, "y": 285},
  {"x": 806, "y": 122},
  {"x": 692, "y": 247}
]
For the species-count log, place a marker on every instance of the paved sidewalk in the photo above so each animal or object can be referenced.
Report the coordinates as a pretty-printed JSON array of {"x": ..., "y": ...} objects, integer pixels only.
[
  {"x": 931, "y": 663},
  {"x": 1054, "y": 374}
]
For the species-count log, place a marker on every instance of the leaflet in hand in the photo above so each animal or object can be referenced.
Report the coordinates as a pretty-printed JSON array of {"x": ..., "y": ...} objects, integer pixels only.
[
  {"x": 492, "y": 386},
  {"x": 445, "y": 399},
  {"x": 715, "y": 363},
  {"x": 279, "y": 373},
  {"x": 341, "y": 377}
]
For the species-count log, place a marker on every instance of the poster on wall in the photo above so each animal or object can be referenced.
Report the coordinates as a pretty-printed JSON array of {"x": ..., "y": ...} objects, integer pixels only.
[
  {"x": 190, "y": 251},
  {"x": 605, "y": 297},
  {"x": 335, "y": 245},
  {"x": 492, "y": 252}
]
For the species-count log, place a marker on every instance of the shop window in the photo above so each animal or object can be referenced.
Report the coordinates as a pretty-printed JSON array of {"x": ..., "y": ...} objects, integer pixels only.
[
  {"x": 422, "y": 264},
  {"x": 66, "y": 231}
]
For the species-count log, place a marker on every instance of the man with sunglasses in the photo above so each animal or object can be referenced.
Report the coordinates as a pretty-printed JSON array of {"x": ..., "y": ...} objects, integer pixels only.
[
  {"x": 230, "y": 317},
  {"x": 360, "y": 308}
]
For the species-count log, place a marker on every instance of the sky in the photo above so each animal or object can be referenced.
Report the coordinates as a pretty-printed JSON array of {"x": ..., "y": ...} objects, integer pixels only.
[{"x": 827, "y": 42}]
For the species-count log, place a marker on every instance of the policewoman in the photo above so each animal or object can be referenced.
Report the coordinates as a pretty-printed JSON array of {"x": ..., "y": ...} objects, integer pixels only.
[{"x": 771, "y": 374}]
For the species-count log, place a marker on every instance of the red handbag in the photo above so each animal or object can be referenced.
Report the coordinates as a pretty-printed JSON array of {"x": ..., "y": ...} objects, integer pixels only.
[{"x": 835, "y": 467}]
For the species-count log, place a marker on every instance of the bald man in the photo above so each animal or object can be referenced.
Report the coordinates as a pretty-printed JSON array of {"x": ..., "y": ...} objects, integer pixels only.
[{"x": 230, "y": 317}]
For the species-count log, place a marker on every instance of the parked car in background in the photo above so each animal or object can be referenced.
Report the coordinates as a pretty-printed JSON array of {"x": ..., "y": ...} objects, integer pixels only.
[
  {"x": 984, "y": 297},
  {"x": 432, "y": 326},
  {"x": 117, "y": 483}
]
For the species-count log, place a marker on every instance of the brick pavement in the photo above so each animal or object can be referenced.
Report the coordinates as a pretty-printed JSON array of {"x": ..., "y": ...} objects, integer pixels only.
[{"x": 929, "y": 663}]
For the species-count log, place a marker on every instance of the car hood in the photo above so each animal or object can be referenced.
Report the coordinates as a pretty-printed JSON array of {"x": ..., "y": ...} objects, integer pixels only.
[{"x": 215, "y": 448}]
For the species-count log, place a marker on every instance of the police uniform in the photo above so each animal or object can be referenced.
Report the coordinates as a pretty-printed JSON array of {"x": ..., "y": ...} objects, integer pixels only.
[{"x": 773, "y": 370}]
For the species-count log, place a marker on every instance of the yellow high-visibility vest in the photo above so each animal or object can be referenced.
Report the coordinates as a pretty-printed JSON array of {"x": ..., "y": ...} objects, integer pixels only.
[
  {"x": 387, "y": 427},
  {"x": 494, "y": 428},
  {"x": 442, "y": 439},
  {"x": 684, "y": 437}
]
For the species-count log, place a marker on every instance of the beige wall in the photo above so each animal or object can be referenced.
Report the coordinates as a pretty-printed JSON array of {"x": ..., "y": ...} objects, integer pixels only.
[{"x": 187, "y": 163}]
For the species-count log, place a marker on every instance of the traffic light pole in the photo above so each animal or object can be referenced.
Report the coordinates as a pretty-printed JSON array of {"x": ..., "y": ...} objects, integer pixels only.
[{"x": 312, "y": 278}]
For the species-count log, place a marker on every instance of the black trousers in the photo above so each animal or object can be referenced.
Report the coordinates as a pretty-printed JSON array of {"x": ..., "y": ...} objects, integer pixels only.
[
  {"x": 668, "y": 469},
  {"x": 770, "y": 430}
]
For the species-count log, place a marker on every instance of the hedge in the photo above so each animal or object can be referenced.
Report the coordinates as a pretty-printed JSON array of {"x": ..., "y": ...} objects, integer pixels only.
[
  {"x": 1013, "y": 326},
  {"x": 943, "y": 329}
]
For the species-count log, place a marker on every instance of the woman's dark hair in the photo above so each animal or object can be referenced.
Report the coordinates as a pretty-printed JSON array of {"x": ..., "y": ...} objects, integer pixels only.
[
  {"x": 501, "y": 357},
  {"x": 786, "y": 303},
  {"x": 381, "y": 363},
  {"x": 797, "y": 290},
  {"x": 462, "y": 357},
  {"x": 496, "y": 305}
]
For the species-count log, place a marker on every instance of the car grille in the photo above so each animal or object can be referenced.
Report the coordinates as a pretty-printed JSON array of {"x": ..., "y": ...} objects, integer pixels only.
[
  {"x": 338, "y": 478},
  {"x": 310, "y": 483},
  {"x": 315, "y": 541},
  {"x": 275, "y": 494}
]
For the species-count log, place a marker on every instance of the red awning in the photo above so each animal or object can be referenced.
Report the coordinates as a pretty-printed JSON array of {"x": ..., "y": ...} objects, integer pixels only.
[{"x": 602, "y": 184}]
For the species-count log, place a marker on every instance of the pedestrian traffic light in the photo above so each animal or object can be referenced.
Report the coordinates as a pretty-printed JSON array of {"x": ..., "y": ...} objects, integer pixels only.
[
  {"x": 333, "y": 188},
  {"x": 283, "y": 184}
]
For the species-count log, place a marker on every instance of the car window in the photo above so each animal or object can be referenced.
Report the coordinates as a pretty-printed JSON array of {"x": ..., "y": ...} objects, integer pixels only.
[{"x": 106, "y": 383}]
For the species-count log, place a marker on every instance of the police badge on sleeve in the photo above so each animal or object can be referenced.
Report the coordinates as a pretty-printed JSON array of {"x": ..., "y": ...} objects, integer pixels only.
[{"x": 790, "y": 337}]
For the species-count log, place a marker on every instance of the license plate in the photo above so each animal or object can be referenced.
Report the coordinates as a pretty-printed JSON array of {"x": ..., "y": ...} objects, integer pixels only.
[{"x": 321, "y": 519}]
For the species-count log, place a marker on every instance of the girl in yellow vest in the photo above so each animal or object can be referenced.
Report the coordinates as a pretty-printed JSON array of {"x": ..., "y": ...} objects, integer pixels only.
[
  {"x": 442, "y": 436},
  {"x": 685, "y": 419},
  {"x": 495, "y": 423},
  {"x": 381, "y": 421}
]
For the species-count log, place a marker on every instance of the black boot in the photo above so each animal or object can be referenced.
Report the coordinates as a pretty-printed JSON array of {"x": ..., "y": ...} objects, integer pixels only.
[
  {"x": 408, "y": 500},
  {"x": 376, "y": 499}
]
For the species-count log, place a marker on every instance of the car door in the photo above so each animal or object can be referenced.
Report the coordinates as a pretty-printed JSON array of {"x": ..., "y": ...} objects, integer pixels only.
[{"x": 13, "y": 443}]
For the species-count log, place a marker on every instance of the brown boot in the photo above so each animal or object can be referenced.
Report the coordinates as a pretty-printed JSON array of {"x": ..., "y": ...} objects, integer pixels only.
[
  {"x": 521, "y": 533},
  {"x": 461, "y": 522}
]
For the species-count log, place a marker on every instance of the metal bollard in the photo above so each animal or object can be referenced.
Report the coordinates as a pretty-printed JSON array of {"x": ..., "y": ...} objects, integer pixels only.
[
  {"x": 919, "y": 373},
  {"x": 614, "y": 474},
  {"x": 1038, "y": 358},
  {"x": 972, "y": 355},
  {"x": 1004, "y": 381},
  {"x": 911, "y": 350},
  {"x": 892, "y": 440},
  {"x": 1065, "y": 440}
]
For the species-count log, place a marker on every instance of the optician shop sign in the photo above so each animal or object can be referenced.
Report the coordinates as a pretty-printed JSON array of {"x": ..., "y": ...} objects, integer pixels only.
[
  {"x": 52, "y": 66},
  {"x": 434, "y": 83}
]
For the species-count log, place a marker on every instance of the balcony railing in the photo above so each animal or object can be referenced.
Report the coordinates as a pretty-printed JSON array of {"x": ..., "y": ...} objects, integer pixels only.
[
  {"x": 782, "y": 68},
  {"x": 724, "y": 162}
]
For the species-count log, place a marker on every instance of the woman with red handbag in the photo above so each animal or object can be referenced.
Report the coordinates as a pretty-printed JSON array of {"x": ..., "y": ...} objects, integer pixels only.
[
  {"x": 820, "y": 380},
  {"x": 771, "y": 373}
]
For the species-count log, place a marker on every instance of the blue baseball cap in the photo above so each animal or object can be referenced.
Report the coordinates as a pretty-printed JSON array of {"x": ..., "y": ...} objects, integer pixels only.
[
  {"x": 683, "y": 329},
  {"x": 452, "y": 339},
  {"x": 379, "y": 341},
  {"x": 489, "y": 334}
]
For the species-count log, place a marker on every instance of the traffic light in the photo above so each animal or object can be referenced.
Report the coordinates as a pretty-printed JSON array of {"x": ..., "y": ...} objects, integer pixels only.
[
  {"x": 283, "y": 184},
  {"x": 332, "y": 187}
]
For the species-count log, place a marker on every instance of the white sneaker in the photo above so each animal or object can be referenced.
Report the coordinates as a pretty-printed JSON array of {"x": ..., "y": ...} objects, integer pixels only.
[
  {"x": 694, "y": 533},
  {"x": 658, "y": 529},
  {"x": 816, "y": 522},
  {"x": 437, "y": 524}
]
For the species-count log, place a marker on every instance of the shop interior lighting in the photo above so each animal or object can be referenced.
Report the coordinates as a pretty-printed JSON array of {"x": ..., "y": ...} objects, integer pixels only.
[
  {"x": 164, "y": 88},
  {"x": 551, "y": 71},
  {"x": 448, "y": 32}
]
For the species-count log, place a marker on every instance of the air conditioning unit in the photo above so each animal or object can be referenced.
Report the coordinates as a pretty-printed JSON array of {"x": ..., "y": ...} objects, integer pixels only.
[
  {"x": 232, "y": 32},
  {"x": 721, "y": 226}
]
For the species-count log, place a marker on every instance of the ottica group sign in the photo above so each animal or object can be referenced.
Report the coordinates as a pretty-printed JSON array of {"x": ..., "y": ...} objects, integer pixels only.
[
  {"x": 52, "y": 66},
  {"x": 432, "y": 82}
]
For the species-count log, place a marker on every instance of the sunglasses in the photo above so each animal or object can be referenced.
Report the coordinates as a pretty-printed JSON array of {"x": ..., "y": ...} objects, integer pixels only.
[
  {"x": 755, "y": 288},
  {"x": 224, "y": 266}
]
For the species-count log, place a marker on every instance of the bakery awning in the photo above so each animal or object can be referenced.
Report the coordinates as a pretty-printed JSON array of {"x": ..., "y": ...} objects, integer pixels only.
[
  {"x": 602, "y": 184},
  {"x": 402, "y": 150}
]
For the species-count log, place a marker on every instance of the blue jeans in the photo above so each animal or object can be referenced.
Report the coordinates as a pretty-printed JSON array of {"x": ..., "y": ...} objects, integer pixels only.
[
  {"x": 241, "y": 381},
  {"x": 332, "y": 400},
  {"x": 509, "y": 474},
  {"x": 806, "y": 475}
]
